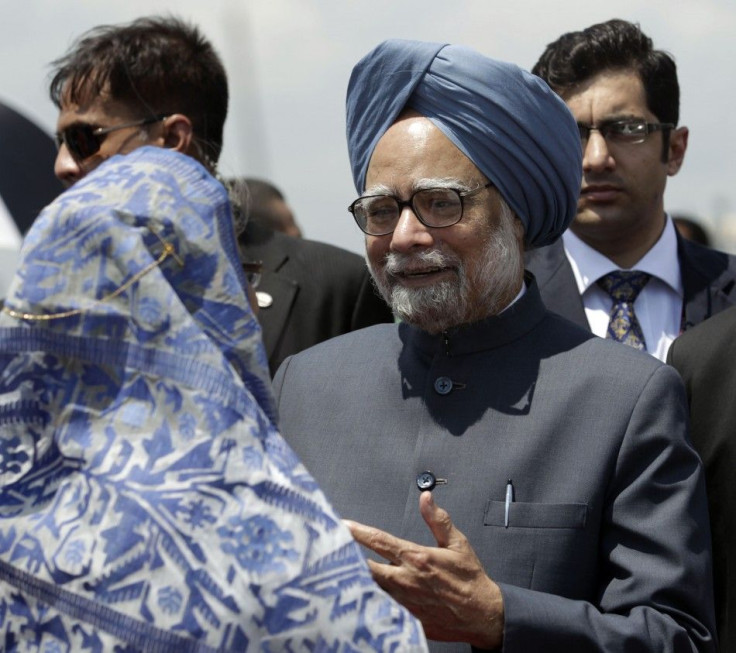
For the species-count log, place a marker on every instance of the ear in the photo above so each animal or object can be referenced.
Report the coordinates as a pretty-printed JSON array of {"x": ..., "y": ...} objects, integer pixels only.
[
  {"x": 678, "y": 145},
  {"x": 518, "y": 228},
  {"x": 519, "y": 232},
  {"x": 178, "y": 133}
]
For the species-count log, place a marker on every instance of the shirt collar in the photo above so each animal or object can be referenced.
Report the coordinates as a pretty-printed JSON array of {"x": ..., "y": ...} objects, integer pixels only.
[
  {"x": 520, "y": 294},
  {"x": 661, "y": 261}
]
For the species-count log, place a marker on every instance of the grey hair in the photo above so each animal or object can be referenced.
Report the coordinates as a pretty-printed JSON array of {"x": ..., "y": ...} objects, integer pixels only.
[
  {"x": 237, "y": 190},
  {"x": 424, "y": 184},
  {"x": 449, "y": 304}
]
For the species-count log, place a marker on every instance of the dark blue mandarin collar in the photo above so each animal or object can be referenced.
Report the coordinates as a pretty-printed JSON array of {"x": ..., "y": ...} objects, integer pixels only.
[{"x": 490, "y": 333}]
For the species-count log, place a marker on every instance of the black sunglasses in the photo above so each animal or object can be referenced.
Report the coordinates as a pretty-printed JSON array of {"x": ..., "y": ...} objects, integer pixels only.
[{"x": 83, "y": 140}]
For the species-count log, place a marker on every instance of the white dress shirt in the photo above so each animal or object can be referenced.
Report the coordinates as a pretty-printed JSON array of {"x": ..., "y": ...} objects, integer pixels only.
[
  {"x": 659, "y": 305},
  {"x": 519, "y": 295}
]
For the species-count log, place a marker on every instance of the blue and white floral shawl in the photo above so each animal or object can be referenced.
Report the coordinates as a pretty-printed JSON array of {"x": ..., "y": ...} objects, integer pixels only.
[{"x": 147, "y": 501}]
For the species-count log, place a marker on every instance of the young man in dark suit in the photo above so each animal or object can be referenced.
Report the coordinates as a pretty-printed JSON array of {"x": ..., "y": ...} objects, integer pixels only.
[{"x": 624, "y": 95}]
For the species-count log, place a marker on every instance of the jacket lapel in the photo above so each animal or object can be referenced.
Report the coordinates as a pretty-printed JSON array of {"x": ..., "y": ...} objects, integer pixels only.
[
  {"x": 708, "y": 280},
  {"x": 556, "y": 282},
  {"x": 280, "y": 293},
  {"x": 277, "y": 290}
]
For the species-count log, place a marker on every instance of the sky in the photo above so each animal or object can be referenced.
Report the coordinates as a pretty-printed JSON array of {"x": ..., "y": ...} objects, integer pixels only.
[{"x": 289, "y": 62}]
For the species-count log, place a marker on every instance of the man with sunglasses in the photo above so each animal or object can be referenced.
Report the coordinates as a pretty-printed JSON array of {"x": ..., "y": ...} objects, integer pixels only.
[
  {"x": 150, "y": 83},
  {"x": 560, "y": 504},
  {"x": 121, "y": 88},
  {"x": 624, "y": 95}
]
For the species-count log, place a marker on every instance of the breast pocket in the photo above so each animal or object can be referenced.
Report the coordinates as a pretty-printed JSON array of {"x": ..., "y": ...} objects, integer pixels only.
[
  {"x": 548, "y": 547},
  {"x": 536, "y": 515}
]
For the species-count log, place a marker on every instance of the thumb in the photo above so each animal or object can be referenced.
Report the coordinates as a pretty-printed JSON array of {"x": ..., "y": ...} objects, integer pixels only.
[{"x": 439, "y": 521}]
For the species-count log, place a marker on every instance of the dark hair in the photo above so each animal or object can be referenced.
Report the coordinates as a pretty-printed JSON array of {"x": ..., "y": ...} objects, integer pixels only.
[
  {"x": 616, "y": 44},
  {"x": 265, "y": 199},
  {"x": 262, "y": 192},
  {"x": 249, "y": 198},
  {"x": 160, "y": 64}
]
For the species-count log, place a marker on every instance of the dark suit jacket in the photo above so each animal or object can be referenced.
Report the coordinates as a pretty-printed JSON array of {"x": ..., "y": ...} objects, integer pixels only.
[
  {"x": 706, "y": 359},
  {"x": 607, "y": 547},
  {"x": 708, "y": 278},
  {"x": 318, "y": 291}
]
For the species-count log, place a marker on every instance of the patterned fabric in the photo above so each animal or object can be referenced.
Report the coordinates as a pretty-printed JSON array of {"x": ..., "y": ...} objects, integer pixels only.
[
  {"x": 147, "y": 501},
  {"x": 624, "y": 287}
]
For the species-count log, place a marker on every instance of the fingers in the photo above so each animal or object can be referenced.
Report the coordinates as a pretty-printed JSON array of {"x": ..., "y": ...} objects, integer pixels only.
[
  {"x": 381, "y": 542},
  {"x": 385, "y": 576},
  {"x": 439, "y": 522},
  {"x": 392, "y": 548}
]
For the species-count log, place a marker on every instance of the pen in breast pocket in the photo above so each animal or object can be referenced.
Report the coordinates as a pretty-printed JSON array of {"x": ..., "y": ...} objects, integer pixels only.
[{"x": 509, "y": 499}]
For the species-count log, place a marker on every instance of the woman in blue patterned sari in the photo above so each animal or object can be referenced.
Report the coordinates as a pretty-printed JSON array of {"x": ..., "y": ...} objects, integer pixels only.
[{"x": 147, "y": 501}]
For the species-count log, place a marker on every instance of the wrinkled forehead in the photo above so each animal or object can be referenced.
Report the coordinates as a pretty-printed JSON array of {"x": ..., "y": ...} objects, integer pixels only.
[{"x": 414, "y": 153}]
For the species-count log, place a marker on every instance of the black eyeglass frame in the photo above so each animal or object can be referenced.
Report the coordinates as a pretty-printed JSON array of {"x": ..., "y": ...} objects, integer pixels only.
[
  {"x": 607, "y": 129},
  {"x": 401, "y": 204},
  {"x": 91, "y": 136}
]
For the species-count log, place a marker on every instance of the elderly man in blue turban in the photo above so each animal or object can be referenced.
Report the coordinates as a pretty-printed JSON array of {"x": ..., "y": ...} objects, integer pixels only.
[{"x": 578, "y": 510}]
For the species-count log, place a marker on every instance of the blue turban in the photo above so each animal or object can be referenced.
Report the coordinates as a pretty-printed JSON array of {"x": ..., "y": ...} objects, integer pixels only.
[{"x": 509, "y": 123}]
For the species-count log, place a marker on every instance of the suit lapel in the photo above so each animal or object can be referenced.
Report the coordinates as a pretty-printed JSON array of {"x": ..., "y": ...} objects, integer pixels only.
[
  {"x": 273, "y": 318},
  {"x": 557, "y": 282},
  {"x": 276, "y": 286},
  {"x": 708, "y": 280}
]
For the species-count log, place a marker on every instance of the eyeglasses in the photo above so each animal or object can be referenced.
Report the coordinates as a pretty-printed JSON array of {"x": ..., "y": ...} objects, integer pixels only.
[
  {"x": 624, "y": 131},
  {"x": 378, "y": 215},
  {"x": 253, "y": 271},
  {"x": 83, "y": 140}
]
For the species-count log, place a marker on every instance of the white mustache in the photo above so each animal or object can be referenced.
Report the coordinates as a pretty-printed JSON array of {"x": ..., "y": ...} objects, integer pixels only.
[{"x": 396, "y": 263}]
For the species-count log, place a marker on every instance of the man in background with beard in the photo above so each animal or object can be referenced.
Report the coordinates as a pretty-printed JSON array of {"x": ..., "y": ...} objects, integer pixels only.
[{"x": 573, "y": 509}]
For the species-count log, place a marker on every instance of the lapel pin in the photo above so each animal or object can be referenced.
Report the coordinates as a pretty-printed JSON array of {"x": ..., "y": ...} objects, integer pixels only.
[{"x": 264, "y": 299}]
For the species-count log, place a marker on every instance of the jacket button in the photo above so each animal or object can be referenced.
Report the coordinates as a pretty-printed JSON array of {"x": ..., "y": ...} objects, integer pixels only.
[
  {"x": 443, "y": 385},
  {"x": 426, "y": 481}
]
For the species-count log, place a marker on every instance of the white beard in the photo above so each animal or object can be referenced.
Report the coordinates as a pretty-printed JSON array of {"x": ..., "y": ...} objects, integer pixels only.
[{"x": 470, "y": 296}]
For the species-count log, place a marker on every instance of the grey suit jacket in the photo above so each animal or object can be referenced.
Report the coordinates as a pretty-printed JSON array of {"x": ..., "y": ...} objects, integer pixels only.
[
  {"x": 317, "y": 291},
  {"x": 706, "y": 359},
  {"x": 608, "y": 545},
  {"x": 708, "y": 278}
]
